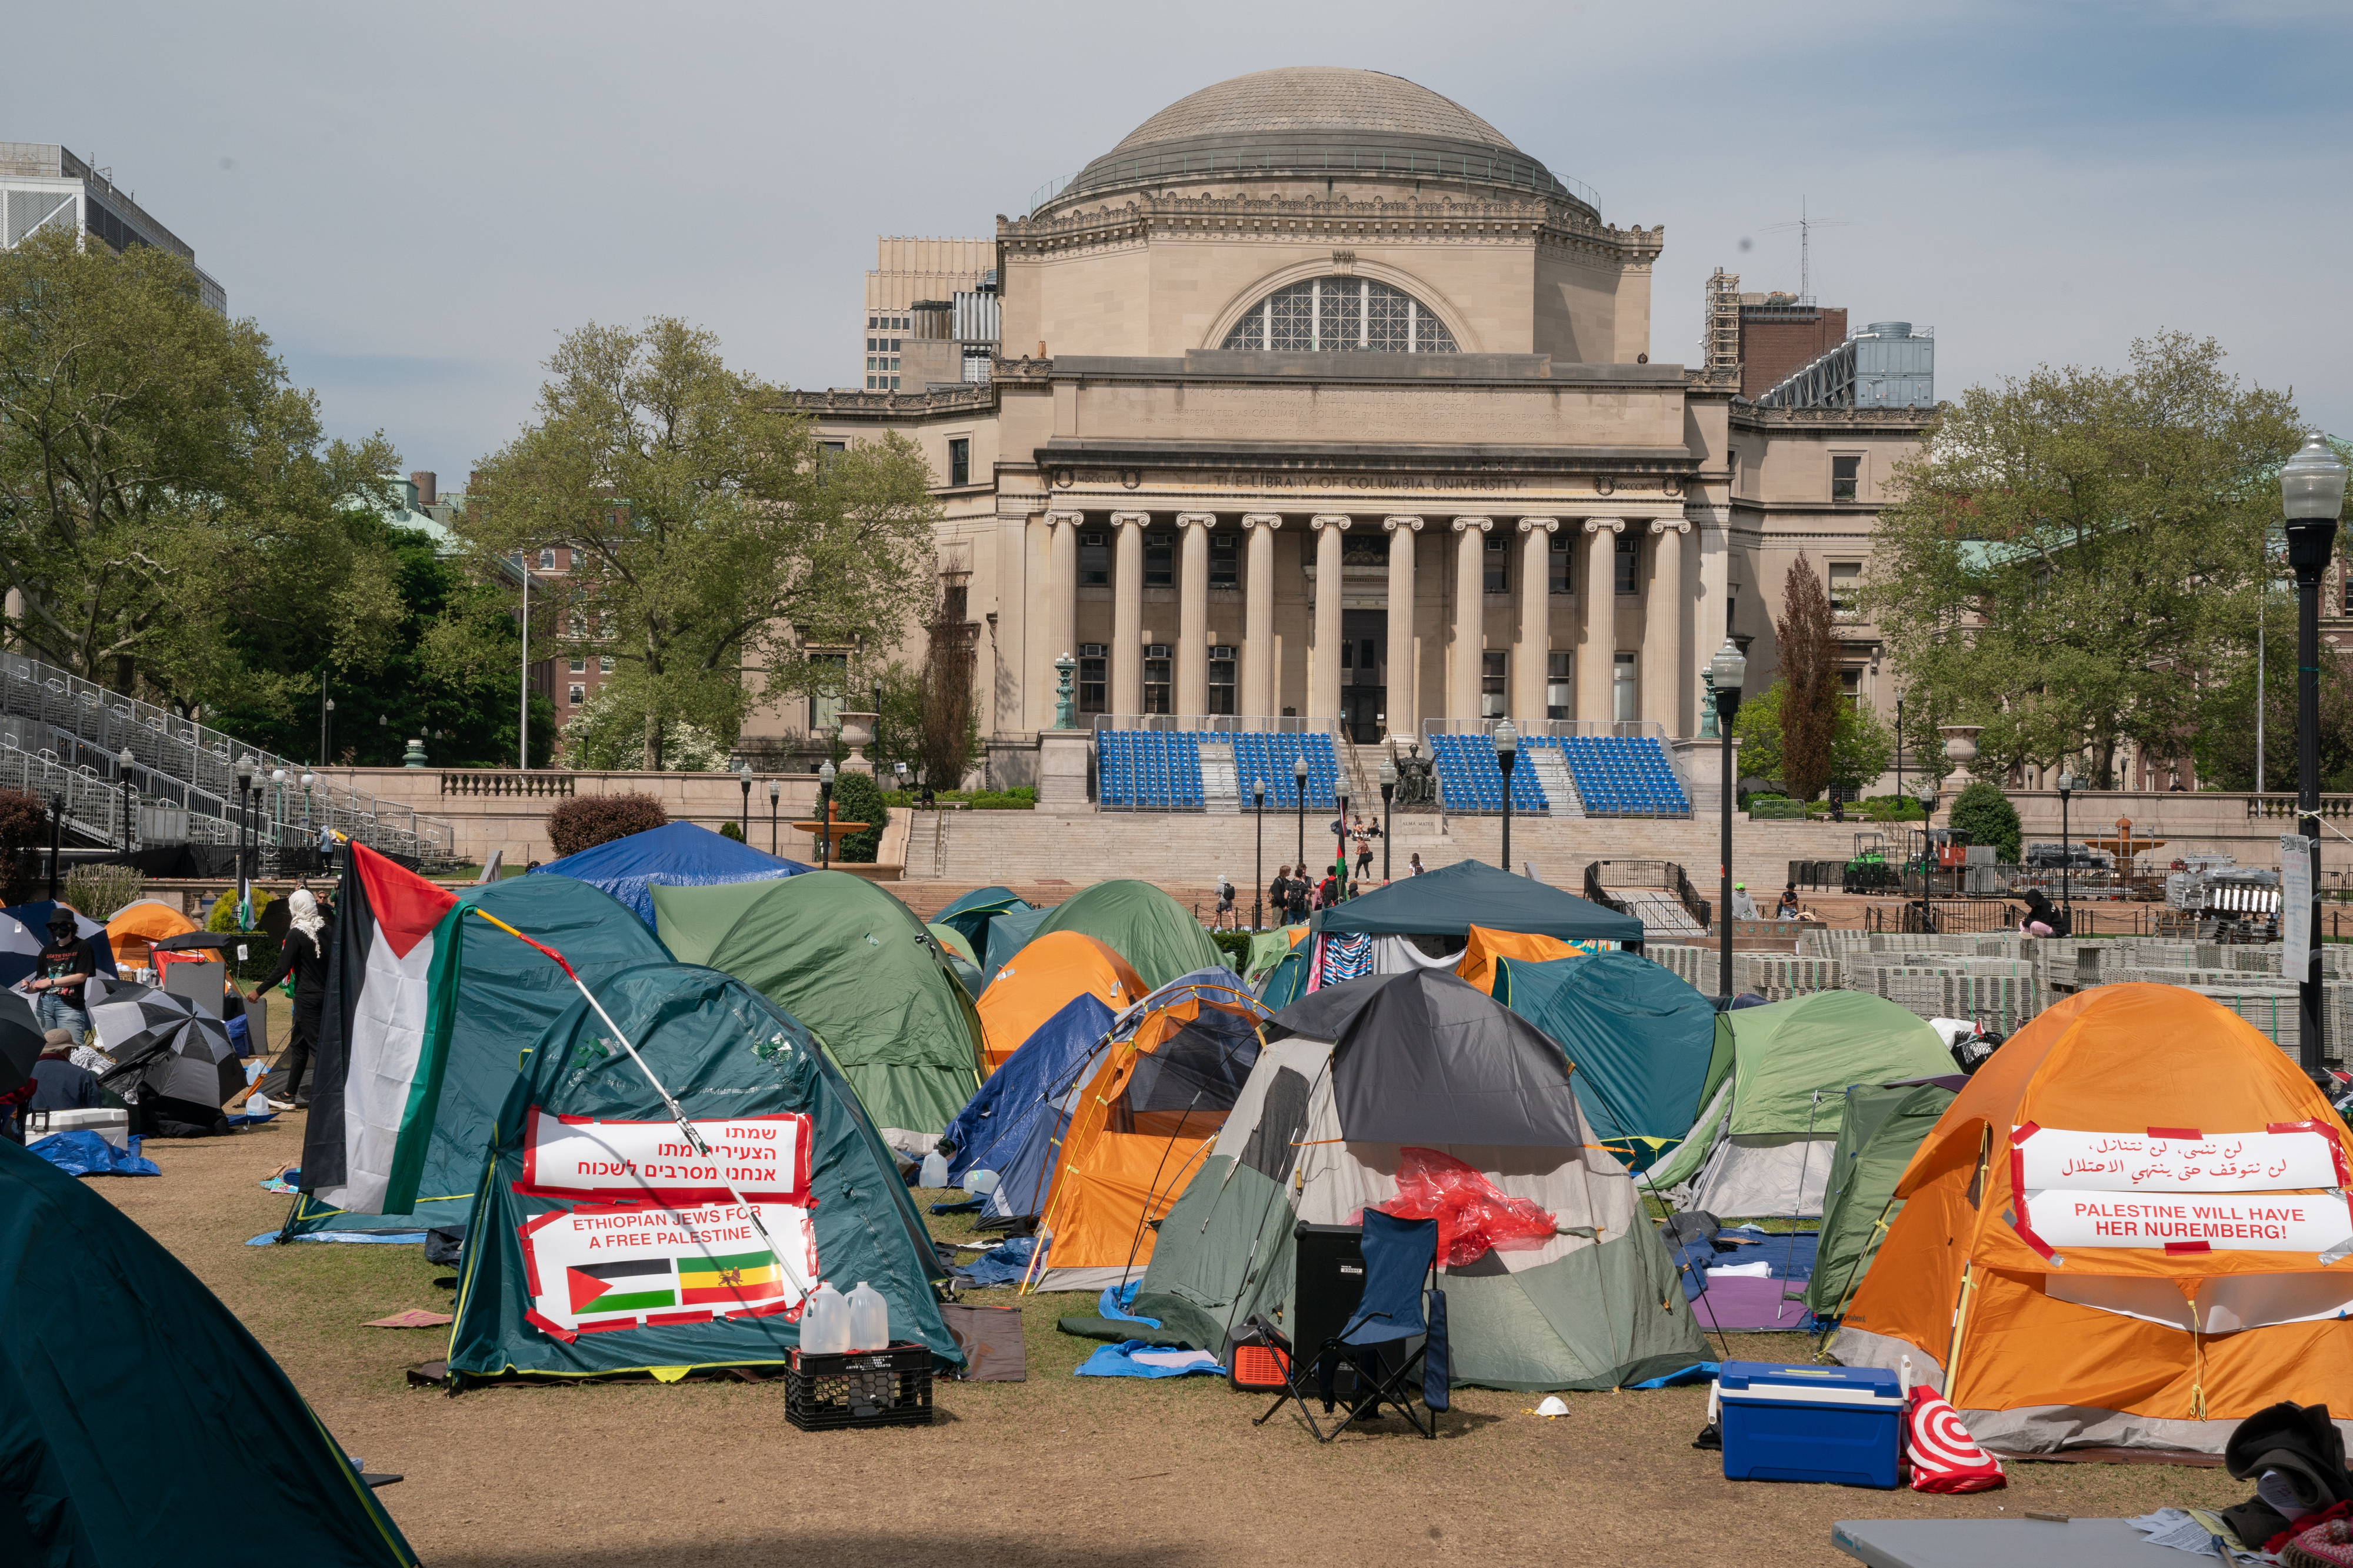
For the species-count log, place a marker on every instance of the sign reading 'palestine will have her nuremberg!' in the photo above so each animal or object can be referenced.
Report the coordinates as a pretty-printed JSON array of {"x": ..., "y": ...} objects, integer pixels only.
[{"x": 2173, "y": 1189}]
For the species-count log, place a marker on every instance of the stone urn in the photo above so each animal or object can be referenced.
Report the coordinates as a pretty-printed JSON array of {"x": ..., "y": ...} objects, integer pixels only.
[
  {"x": 1960, "y": 743},
  {"x": 857, "y": 733}
]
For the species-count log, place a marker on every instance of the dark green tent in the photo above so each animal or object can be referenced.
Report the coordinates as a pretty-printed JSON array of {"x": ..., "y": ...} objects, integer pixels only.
[
  {"x": 138, "y": 1422},
  {"x": 1450, "y": 900},
  {"x": 1878, "y": 1134},
  {"x": 507, "y": 993},
  {"x": 1158, "y": 936},
  {"x": 534, "y": 1297},
  {"x": 1008, "y": 933},
  {"x": 1642, "y": 1040}
]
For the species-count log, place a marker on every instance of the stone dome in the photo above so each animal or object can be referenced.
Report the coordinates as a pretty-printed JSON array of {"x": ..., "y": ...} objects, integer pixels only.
[{"x": 1316, "y": 120}]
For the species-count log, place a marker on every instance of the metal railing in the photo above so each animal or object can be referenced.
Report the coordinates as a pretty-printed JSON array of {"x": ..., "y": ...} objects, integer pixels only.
[
  {"x": 1211, "y": 723},
  {"x": 1666, "y": 875}
]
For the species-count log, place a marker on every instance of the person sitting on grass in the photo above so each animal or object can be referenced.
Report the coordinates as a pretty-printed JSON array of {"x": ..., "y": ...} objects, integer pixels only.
[{"x": 59, "y": 1085}]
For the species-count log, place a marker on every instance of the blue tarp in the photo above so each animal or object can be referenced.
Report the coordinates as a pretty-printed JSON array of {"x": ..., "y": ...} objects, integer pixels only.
[
  {"x": 1138, "y": 1358},
  {"x": 989, "y": 1131},
  {"x": 85, "y": 1154},
  {"x": 675, "y": 855},
  {"x": 1002, "y": 1265}
]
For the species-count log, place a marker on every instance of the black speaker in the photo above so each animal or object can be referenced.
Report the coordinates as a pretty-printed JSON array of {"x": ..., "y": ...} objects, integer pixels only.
[{"x": 1328, "y": 1285}]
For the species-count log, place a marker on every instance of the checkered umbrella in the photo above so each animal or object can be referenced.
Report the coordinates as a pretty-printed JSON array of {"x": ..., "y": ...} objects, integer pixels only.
[{"x": 167, "y": 1045}]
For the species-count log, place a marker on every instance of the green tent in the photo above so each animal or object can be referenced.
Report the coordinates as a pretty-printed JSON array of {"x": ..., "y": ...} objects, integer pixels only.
[
  {"x": 961, "y": 957},
  {"x": 975, "y": 912},
  {"x": 1643, "y": 1041},
  {"x": 1450, "y": 900},
  {"x": 142, "y": 1422},
  {"x": 588, "y": 1273},
  {"x": 1267, "y": 948},
  {"x": 506, "y": 994},
  {"x": 1158, "y": 936},
  {"x": 854, "y": 965},
  {"x": 1879, "y": 1131},
  {"x": 1762, "y": 1145}
]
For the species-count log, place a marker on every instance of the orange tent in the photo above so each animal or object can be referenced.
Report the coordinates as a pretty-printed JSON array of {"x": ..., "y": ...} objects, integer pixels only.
[
  {"x": 2128, "y": 1229},
  {"x": 1478, "y": 965},
  {"x": 136, "y": 926},
  {"x": 1041, "y": 979}
]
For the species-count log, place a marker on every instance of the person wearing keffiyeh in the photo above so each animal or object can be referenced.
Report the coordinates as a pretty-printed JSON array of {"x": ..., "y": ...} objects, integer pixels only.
[{"x": 304, "y": 956}]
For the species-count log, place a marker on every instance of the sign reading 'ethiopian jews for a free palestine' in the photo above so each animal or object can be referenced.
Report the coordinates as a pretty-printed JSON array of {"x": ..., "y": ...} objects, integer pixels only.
[
  {"x": 751, "y": 1159},
  {"x": 593, "y": 1267},
  {"x": 2177, "y": 1159}
]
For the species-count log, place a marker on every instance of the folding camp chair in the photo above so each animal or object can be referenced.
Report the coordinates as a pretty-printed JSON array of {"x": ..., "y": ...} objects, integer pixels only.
[{"x": 1401, "y": 1304}]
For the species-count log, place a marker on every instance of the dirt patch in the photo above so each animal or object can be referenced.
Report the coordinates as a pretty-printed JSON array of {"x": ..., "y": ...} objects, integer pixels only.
[{"x": 1055, "y": 1470}]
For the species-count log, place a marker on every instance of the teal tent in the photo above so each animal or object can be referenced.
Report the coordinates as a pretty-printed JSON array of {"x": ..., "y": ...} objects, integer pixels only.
[
  {"x": 138, "y": 1421},
  {"x": 1450, "y": 900},
  {"x": 977, "y": 911},
  {"x": 611, "y": 1276},
  {"x": 1008, "y": 933},
  {"x": 507, "y": 993},
  {"x": 1642, "y": 1040}
]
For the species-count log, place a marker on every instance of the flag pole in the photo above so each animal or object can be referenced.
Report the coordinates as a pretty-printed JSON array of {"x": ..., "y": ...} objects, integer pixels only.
[{"x": 793, "y": 1266}]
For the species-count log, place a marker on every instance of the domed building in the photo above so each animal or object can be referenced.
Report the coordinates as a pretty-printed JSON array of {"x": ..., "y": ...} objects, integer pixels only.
[{"x": 1318, "y": 403}]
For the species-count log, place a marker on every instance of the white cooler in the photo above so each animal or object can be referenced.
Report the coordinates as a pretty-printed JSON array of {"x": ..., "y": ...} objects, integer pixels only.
[{"x": 110, "y": 1124}]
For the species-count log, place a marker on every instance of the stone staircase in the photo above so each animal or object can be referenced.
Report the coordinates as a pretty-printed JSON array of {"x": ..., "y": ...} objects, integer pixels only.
[
  {"x": 1559, "y": 785},
  {"x": 1220, "y": 792}
]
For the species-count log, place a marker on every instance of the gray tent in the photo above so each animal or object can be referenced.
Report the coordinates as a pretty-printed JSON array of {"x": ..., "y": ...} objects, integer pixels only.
[{"x": 1353, "y": 1077}]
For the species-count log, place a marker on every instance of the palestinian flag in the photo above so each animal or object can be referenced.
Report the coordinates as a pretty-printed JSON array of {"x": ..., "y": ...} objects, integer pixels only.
[
  {"x": 634, "y": 1284},
  {"x": 740, "y": 1277},
  {"x": 391, "y": 991}
]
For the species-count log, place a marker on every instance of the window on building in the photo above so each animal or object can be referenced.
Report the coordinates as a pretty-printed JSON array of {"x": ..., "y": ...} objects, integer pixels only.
[
  {"x": 1846, "y": 578},
  {"x": 960, "y": 461},
  {"x": 829, "y": 675},
  {"x": 1159, "y": 675},
  {"x": 1846, "y": 478},
  {"x": 1094, "y": 560},
  {"x": 1347, "y": 658},
  {"x": 547, "y": 559},
  {"x": 603, "y": 664},
  {"x": 956, "y": 601},
  {"x": 1850, "y": 686},
  {"x": 1630, "y": 563},
  {"x": 1494, "y": 669},
  {"x": 1561, "y": 685},
  {"x": 1094, "y": 677},
  {"x": 1497, "y": 560},
  {"x": 579, "y": 666},
  {"x": 1159, "y": 560},
  {"x": 1368, "y": 658},
  {"x": 1623, "y": 689},
  {"x": 1222, "y": 664},
  {"x": 1326, "y": 315},
  {"x": 894, "y": 384},
  {"x": 579, "y": 694},
  {"x": 1557, "y": 558},
  {"x": 1225, "y": 559}
]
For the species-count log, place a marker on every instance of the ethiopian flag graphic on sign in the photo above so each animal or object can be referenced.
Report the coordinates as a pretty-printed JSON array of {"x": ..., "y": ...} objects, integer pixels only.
[
  {"x": 740, "y": 1277},
  {"x": 592, "y": 1269}
]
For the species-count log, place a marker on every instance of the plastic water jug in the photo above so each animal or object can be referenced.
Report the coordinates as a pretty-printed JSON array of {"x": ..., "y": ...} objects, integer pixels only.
[
  {"x": 980, "y": 1183},
  {"x": 934, "y": 1173},
  {"x": 825, "y": 1323},
  {"x": 869, "y": 1319}
]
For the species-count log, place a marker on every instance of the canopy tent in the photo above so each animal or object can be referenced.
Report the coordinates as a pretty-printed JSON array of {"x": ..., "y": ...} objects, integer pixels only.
[
  {"x": 572, "y": 1270},
  {"x": 137, "y": 926},
  {"x": 675, "y": 855},
  {"x": 1879, "y": 1130},
  {"x": 1762, "y": 1145},
  {"x": 129, "y": 1385},
  {"x": 1125, "y": 1135},
  {"x": 507, "y": 996},
  {"x": 1350, "y": 1079},
  {"x": 1015, "y": 1122},
  {"x": 1484, "y": 947},
  {"x": 975, "y": 912},
  {"x": 854, "y": 965},
  {"x": 1158, "y": 936},
  {"x": 2121, "y": 1233},
  {"x": 1450, "y": 900},
  {"x": 1041, "y": 979},
  {"x": 961, "y": 958},
  {"x": 1643, "y": 1042},
  {"x": 1008, "y": 933}
]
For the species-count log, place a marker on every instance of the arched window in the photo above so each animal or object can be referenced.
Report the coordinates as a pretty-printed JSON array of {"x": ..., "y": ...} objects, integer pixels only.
[{"x": 1324, "y": 315}]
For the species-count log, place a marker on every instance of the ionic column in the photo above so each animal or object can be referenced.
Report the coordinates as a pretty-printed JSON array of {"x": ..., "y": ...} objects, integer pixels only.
[
  {"x": 1403, "y": 668},
  {"x": 1532, "y": 663},
  {"x": 1597, "y": 642},
  {"x": 1663, "y": 682},
  {"x": 1127, "y": 612},
  {"x": 1258, "y": 615},
  {"x": 1061, "y": 605},
  {"x": 1470, "y": 617},
  {"x": 1193, "y": 610},
  {"x": 1323, "y": 686}
]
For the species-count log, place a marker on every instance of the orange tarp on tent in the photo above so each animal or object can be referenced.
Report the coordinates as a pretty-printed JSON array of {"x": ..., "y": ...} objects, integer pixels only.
[
  {"x": 2128, "y": 1228},
  {"x": 137, "y": 926},
  {"x": 1478, "y": 965},
  {"x": 1041, "y": 979}
]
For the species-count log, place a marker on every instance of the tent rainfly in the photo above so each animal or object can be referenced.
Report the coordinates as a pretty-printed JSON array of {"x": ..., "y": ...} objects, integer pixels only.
[
  {"x": 975, "y": 912},
  {"x": 1041, "y": 979},
  {"x": 675, "y": 855},
  {"x": 1156, "y": 935},
  {"x": 1450, "y": 900},
  {"x": 1643, "y": 1041},
  {"x": 1881, "y": 1127}
]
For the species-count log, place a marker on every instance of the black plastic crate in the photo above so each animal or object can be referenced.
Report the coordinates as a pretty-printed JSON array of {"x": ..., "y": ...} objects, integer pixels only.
[{"x": 865, "y": 1388}]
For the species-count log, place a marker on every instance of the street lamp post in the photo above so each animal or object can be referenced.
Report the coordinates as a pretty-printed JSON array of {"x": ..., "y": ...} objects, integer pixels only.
[
  {"x": 2066, "y": 855},
  {"x": 1258, "y": 894},
  {"x": 744, "y": 822},
  {"x": 1299, "y": 798},
  {"x": 1730, "y": 668},
  {"x": 245, "y": 771},
  {"x": 122, "y": 765},
  {"x": 825, "y": 815},
  {"x": 326, "y": 731},
  {"x": 2312, "y": 495},
  {"x": 776, "y": 792},
  {"x": 1507, "y": 756},
  {"x": 1928, "y": 850},
  {"x": 277, "y": 819},
  {"x": 1388, "y": 797},
  {"x": 308, "y": 839},
  {"x": 1898, "y": 812}
]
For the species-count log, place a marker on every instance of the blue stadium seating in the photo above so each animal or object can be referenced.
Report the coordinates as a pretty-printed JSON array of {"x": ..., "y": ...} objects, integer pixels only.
[
  {"x": 1470, "y": 781},
  {"x": 1622, "y": 776},
  {"x": 1147, "y": 769},
  {"x": 1273, "y": 757}
]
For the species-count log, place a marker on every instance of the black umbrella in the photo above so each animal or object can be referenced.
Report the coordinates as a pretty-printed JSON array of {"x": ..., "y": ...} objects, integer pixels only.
[
  {"x": 201, "y": 941},
  {"x": 20, "y": 1037},
  {"x": 167, "y": 1045}
]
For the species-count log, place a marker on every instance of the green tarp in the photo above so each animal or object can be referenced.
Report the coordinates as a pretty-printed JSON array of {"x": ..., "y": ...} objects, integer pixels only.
[
  {"x": 1878, "y": 1134},
  {"x": 1450, "y": 900},
  {"x": 1640, "y": 1039},
  {"x": 1158, "y": 936},
  {"x": 507, "y": 993},
  {"x": 853, "y": 965},
  {"x": 723, "y": 1050},
  {"x": 138, "y": 1421}
]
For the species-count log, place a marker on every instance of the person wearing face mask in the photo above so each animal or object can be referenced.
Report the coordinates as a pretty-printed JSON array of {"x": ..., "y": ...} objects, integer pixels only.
[{"x": 303, "y": 957}]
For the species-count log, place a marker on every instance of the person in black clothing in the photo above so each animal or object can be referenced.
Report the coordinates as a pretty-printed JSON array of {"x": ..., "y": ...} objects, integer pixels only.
[
  {"x": 304, "y": 956},
  {"x": 1278, "y": 895},
  {"x": 1301, "y": 889},
  {"x": 59, "y": 974}
]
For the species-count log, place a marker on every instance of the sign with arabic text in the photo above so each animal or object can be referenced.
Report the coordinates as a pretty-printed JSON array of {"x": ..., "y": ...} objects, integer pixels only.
[{"x": 2283, "y": 1156}]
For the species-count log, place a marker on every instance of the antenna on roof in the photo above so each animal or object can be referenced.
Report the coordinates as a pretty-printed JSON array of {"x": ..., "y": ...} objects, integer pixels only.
[{"x": 1805, "y": 226}]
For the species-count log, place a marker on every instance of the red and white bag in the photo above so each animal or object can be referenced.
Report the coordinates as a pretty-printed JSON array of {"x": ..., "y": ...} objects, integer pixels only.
[{"x": 1943, "y": 1455}]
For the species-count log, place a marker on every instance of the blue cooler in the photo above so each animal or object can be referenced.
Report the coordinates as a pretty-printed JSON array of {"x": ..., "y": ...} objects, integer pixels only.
[{"x": 1841, "y": 1424}]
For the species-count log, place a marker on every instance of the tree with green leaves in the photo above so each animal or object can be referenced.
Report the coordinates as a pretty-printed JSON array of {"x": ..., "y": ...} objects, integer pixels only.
[
  {"x": 168, "y": 504},
  {"x": 2075, "y": 556},
  {"x": 717, "y": 546},
  {"x": 2225, "y": 749},
  {"x": 1859, "y": 747},
  {"x": 1808, "y": 651},
  {"x": 1986, "y": 815}
]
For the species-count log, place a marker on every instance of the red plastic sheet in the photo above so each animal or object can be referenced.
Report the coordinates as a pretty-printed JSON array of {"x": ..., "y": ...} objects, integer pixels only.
[{"x": 1474, "y": 1215}]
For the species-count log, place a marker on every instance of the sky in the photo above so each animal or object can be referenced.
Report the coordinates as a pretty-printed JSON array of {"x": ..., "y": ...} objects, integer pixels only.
[{"x": 417, "y": 200}]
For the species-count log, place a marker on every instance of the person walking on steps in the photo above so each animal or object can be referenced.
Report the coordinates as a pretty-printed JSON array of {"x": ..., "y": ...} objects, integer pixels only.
[
  {"x": 59, "y": 974},
  {"x": 303, "y": 955}
]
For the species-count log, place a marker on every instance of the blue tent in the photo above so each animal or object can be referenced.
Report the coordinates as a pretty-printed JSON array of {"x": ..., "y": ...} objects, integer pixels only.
[
  {"x": 675, "y": 855},
  {"x": 995, "y": 1123},
  {"x": 1642, "y": 1041}
]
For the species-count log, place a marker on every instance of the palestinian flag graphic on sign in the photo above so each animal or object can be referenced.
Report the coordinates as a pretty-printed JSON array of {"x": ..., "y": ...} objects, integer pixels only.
[{"x": 632, "y": 1285}]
